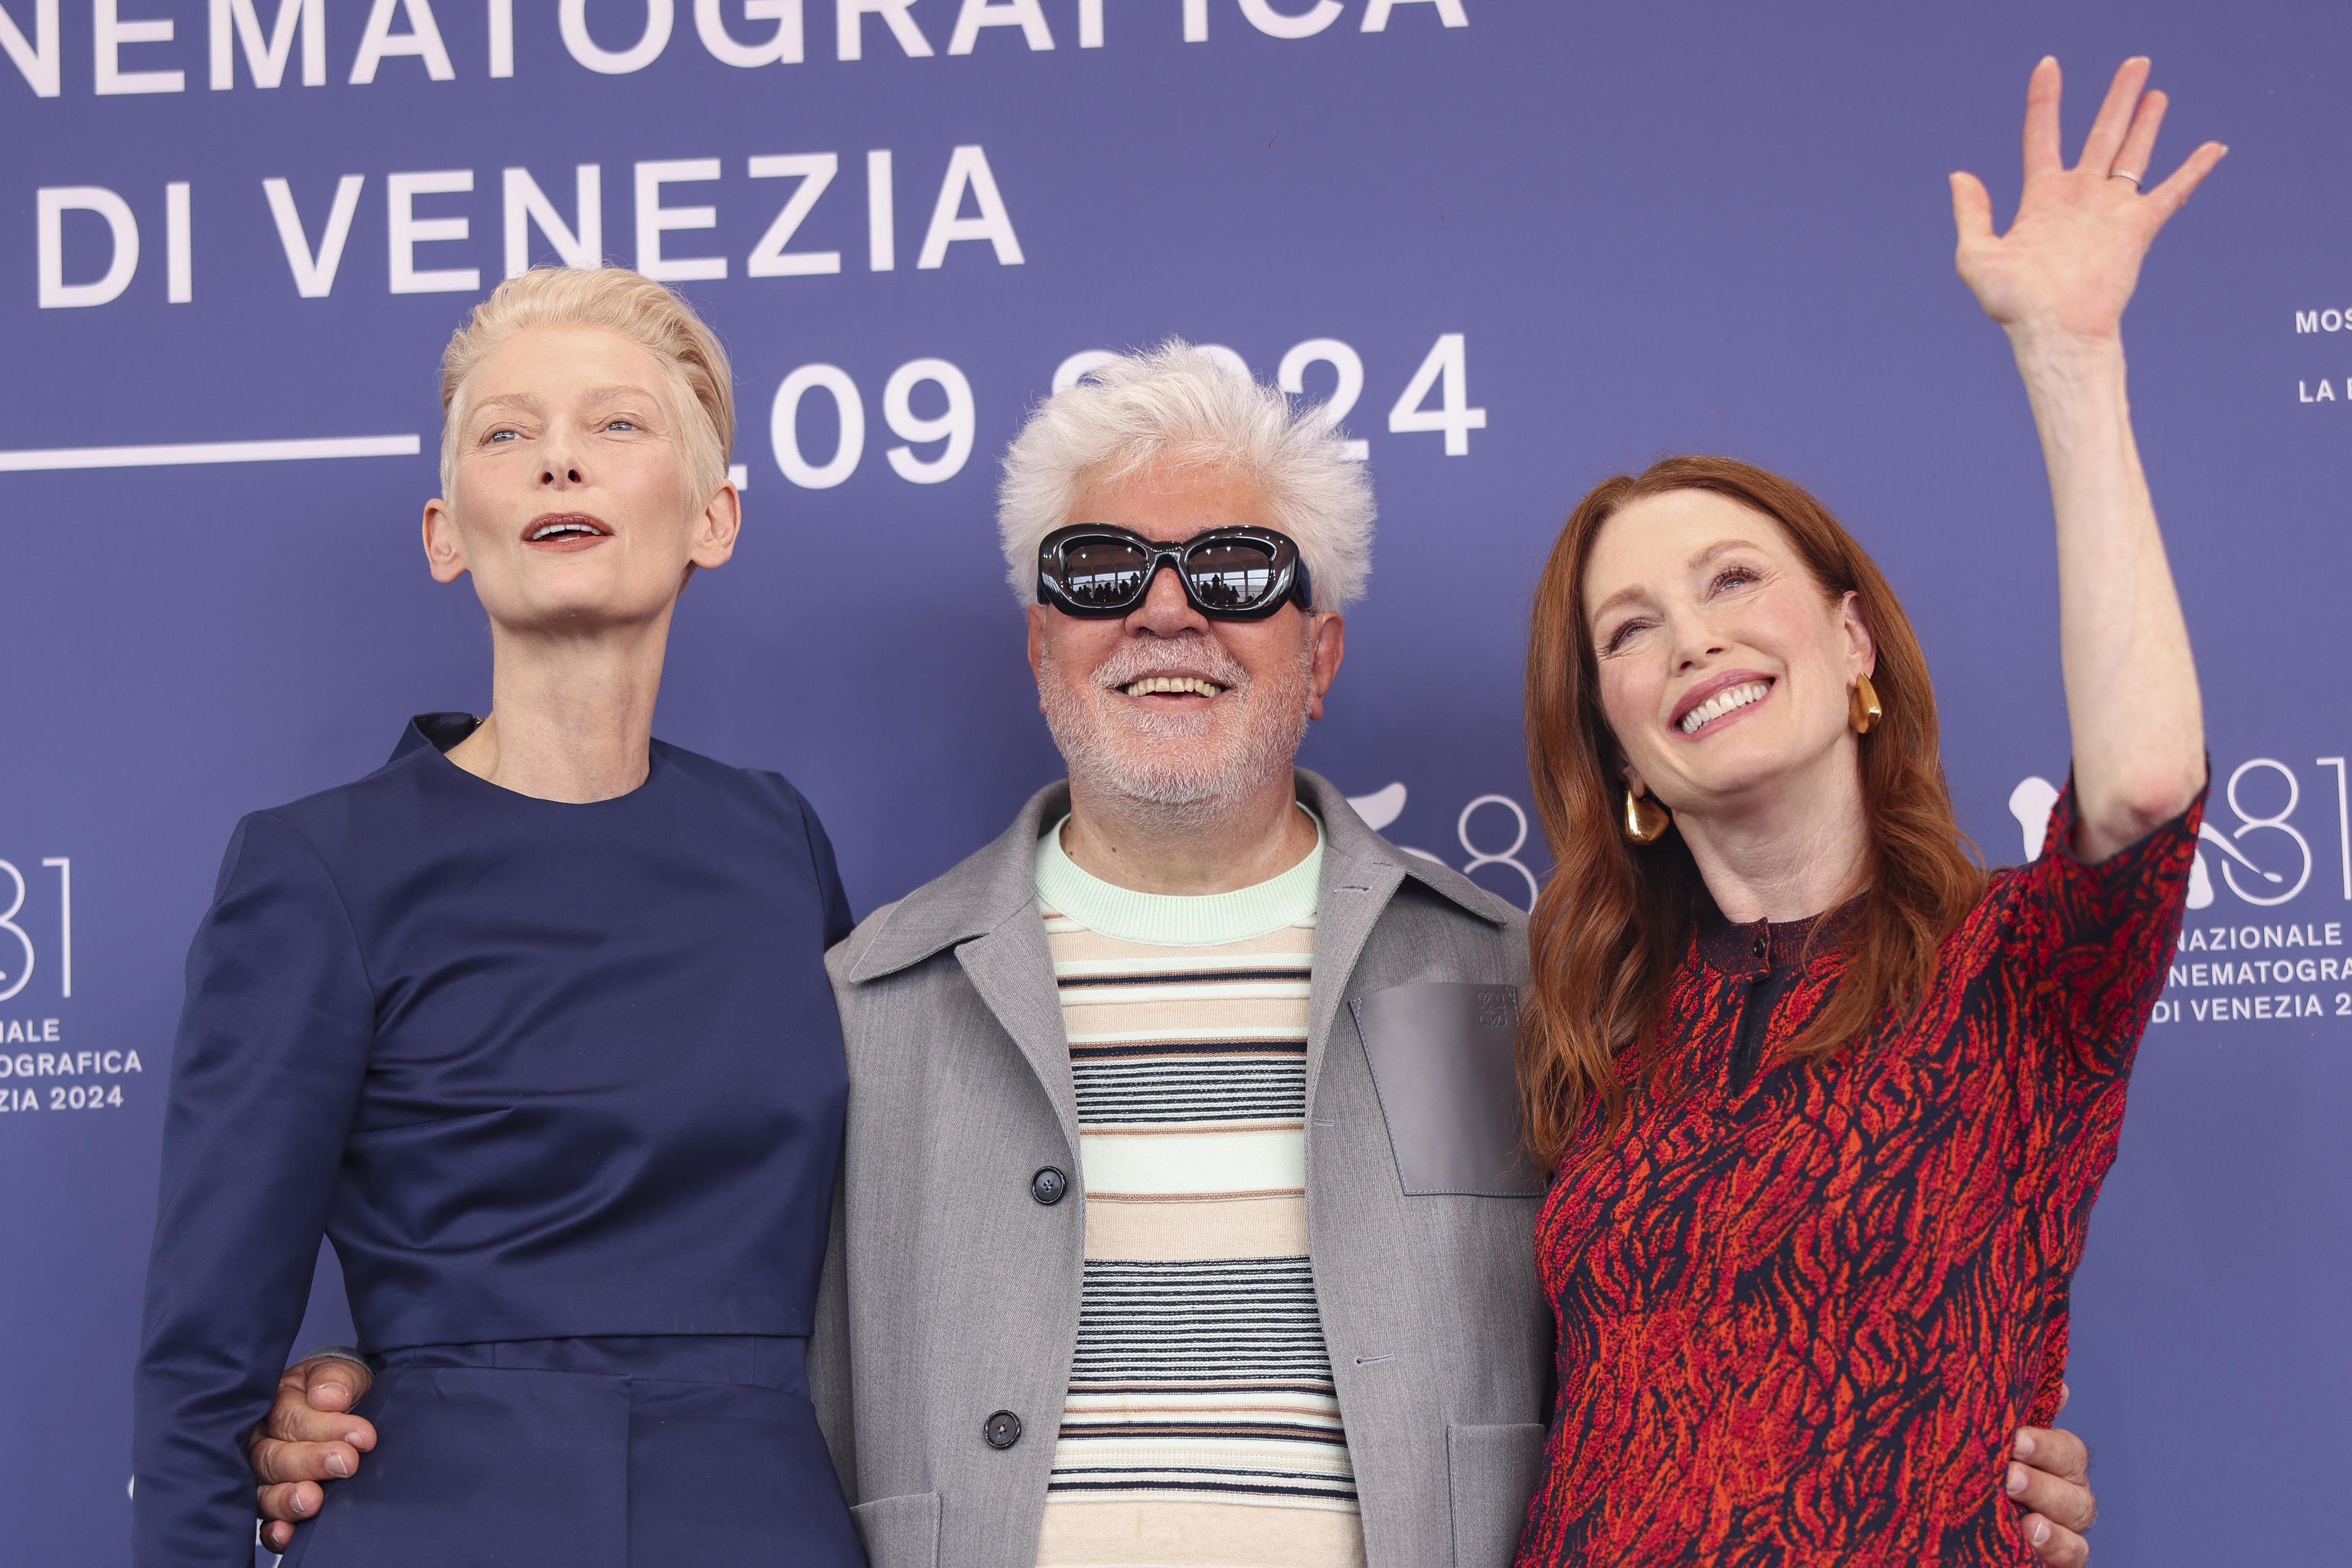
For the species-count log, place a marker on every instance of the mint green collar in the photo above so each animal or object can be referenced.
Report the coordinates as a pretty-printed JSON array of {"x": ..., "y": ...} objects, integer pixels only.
[{"x": 1171, "y": 920}]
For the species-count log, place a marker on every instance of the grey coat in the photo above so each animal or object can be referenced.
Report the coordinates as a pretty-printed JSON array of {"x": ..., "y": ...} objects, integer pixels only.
[{"x": 950, "y": 1295}]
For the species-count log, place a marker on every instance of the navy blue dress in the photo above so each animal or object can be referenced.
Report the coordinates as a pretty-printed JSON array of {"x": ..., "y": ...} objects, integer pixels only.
[{"x": 564, "y": 1085}]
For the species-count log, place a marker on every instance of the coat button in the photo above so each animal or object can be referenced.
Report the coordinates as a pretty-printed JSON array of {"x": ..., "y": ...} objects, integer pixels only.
[
  {"x": 1048, "y": 1186},
  {"x": 1001, "y": 1430}
]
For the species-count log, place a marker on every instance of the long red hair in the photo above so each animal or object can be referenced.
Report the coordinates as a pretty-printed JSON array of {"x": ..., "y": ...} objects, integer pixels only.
[{"x": 1615, "y": 920}]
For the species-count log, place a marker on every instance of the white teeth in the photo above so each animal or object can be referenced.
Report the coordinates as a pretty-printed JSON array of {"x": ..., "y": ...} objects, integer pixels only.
[
  {"x": 560, "y": 530},
  {"x": 1722, "y": 702},
  {"x": 1191, "y": 684}
]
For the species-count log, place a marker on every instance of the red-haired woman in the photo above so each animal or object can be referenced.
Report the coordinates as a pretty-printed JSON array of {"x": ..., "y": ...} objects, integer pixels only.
[{"x": 1826, "y": 1107}]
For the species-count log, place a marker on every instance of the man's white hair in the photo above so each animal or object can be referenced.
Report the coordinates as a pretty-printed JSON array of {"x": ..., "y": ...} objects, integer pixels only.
[{"x": 1177, "y": 405}]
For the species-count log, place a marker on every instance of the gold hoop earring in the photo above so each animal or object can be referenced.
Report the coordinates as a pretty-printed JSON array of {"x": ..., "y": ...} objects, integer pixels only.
[
  {"x": 1863, "y": 710},
  {"x": 1646, "y": 820}
]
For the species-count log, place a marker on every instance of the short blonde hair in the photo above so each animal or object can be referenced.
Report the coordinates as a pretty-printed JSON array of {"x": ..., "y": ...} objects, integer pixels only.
[
  {"x": 701, "y": 385},
  {"x": 1176, "y": 404}
]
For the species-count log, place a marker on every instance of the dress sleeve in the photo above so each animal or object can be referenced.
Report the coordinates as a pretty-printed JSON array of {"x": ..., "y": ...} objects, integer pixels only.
[
  {"x": 265, "y": 1076},
  {"x": 2094, "y": 940},
  {"x": 837, "y": 924}
]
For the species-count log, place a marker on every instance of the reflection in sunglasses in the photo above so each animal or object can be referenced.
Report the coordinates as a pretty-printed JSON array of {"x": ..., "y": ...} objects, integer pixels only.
[{"x": 1239, "y": 572}]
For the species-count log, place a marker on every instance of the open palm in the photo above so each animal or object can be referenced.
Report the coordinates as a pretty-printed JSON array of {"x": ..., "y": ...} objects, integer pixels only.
[{"x": 2071, "y": 257}]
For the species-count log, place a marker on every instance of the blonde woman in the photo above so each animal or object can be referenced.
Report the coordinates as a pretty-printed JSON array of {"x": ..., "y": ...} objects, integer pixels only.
[{"x": 531, "y": 1022}]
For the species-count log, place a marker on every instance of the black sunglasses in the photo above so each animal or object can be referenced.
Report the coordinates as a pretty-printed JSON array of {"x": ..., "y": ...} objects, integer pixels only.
[{"x": 1097, "y": 571}]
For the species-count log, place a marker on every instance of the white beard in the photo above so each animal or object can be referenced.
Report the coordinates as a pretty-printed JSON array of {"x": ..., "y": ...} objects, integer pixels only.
[{"x": 1179, "y": 759}]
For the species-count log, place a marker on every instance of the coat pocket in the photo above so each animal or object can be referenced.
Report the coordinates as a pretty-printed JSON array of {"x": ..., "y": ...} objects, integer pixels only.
[
  {"x": 900, "y": 1531},
  {"x": 1490, "y": 1472},
  {"x": 1444, "y": 1065}
]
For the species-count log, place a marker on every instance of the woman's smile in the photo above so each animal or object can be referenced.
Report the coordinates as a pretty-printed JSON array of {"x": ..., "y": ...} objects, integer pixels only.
[{"x": 1706, "y": 709}]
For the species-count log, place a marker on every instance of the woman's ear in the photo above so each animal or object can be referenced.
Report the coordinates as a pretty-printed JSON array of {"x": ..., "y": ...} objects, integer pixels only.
[
  {"x": 445, "y": 547},
  {"x": 1861, "y": 648},
  {"x": 720, "y": 524}
]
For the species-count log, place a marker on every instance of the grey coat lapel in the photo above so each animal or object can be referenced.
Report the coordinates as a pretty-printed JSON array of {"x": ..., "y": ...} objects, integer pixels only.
[
  {"x": 1362, "y": 873},
  {"x": 986, "y": 910},
  {"x": 1354, "y": 893},
  {"x": 1012, "y": 969}
]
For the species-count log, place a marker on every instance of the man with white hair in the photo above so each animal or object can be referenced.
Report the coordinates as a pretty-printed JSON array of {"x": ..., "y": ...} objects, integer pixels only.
[{"x": 1183, "y": 1220}]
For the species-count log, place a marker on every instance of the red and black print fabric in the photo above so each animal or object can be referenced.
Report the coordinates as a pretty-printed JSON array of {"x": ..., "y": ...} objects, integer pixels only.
[{"x": 1803, "y": 1306}]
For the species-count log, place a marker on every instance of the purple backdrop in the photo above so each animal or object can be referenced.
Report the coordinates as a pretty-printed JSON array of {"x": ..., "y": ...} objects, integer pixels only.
[{"x": 1601, "y": 233}]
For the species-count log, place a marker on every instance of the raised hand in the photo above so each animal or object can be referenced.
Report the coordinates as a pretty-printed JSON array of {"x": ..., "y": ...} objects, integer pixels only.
[{"x": 2069, "y": 262}]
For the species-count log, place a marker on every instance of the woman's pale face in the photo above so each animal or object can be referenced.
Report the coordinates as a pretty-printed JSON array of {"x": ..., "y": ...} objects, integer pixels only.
[
  {"x": 571, "y": 506},
  {"x": 1726, "y": 671}
]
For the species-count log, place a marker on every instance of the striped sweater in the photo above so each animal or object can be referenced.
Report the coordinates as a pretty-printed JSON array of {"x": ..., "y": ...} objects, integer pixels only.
[{"x": 1201, "y": 1429}]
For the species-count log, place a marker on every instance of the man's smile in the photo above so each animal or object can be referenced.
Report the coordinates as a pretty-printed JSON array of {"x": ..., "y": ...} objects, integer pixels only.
[{"x": 1184, "y": 686}]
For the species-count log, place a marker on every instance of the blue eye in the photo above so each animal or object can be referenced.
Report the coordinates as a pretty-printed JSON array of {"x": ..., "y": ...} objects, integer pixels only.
[
  {"x": 503, "y": 436},
  {"x": 1734, "y": 575},
  {"x": 620, "y": 425}
]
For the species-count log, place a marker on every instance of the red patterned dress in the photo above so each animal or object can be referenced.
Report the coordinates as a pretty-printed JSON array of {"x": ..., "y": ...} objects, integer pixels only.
[{"x": 1803, "y": 1306}]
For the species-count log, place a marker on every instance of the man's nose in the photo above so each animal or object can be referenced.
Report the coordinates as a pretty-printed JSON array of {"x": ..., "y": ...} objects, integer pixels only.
[{"x": 1165, "y": 611}]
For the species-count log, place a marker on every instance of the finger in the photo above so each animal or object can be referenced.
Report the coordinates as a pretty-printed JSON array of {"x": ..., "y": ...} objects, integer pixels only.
[
  {"x": 291, "y": 1421},
  {"x": 2173, "y": 194},
  {"x": 2054, "y": 1450},
  {"x": 2066, "y": 1392},
  {"x": 1971, "y": 209},
  {"x": 274, "y": 1462},
  {"x": 2054, "y": 1498},
  {"x": 335, "y": 1384},
  {"x": 2043, "y": 152},
  {"x": 288, "y": 1504},
  {"x": 2138, "y": 150},
  {"x": 2114, "y": 116},
  {"x": 277, "y": 1537},
  {"x": 2054, "y": 1544}
]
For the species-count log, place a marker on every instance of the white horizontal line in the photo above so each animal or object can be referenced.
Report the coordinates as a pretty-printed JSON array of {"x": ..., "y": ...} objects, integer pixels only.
[{"x": 210, "y": 452}]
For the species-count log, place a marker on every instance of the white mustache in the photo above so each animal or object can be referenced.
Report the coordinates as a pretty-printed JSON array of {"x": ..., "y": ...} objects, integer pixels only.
[{"x": 1189, "y": 654}]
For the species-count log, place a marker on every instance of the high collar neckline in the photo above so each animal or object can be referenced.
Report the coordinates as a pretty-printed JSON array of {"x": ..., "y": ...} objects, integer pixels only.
[
  {"x": 439, "y": 734},
  {"x": 1746, "y": 949},
  {"x": 439, "y": 730}
]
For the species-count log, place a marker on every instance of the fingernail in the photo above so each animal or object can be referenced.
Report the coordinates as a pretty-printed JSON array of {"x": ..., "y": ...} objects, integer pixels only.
[
  {"x": 353, "y": 1437},
  {"x": 301, "y": 1503},
  {"x": 2016, "y": 1479},
  {"x": 337, "y": 1466},
  {"x": 2025, "y": 1444},
  {"x": 2041, "y": 1531}
]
